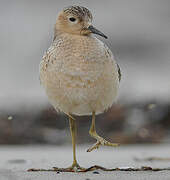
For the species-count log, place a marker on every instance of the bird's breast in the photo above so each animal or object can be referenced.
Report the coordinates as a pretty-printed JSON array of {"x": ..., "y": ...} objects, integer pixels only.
[
  {"x": 79, "y": 61},
  {"x": 80, "y": 55},
  {"x": 79, "y": 76}
]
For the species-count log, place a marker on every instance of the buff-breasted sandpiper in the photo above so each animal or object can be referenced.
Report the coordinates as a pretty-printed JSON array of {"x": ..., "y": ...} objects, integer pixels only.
[{"x": 79, "y": 72}]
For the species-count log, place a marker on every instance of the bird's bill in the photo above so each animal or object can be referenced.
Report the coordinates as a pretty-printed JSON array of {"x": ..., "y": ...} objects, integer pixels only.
[{"x": 96, "y": 31}]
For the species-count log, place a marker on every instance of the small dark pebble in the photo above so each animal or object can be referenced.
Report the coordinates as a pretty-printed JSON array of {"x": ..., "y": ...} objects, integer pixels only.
[
  {"x": 96, "y": 172},
  {"x": 146, "y": 168}
]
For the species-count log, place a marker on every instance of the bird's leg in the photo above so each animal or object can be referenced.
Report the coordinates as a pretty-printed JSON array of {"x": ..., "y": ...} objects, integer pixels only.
[
  {"x": 75, "y": 167},
  {"x": 73, "y": 131},
  {"x": 100, "y": 140}
]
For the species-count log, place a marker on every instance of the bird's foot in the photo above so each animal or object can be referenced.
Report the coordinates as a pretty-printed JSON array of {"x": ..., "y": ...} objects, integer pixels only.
[
  {"x": 75, "y": 167},
  {"x": 103, "y": 142}
]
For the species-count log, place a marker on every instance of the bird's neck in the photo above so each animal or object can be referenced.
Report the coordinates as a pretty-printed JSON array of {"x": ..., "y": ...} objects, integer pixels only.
[{"x": 59, "y": 34}]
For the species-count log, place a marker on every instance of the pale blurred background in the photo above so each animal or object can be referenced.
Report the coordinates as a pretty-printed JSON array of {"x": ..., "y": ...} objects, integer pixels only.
[{"x": 139, "y": 36}]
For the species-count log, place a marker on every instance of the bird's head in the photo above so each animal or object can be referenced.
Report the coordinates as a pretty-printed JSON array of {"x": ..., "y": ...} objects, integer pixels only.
[{"x": 76, "y": 20}]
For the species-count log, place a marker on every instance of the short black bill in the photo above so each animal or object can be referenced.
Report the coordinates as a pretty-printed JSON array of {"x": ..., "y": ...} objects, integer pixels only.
[{"x": 96, "y": 31}]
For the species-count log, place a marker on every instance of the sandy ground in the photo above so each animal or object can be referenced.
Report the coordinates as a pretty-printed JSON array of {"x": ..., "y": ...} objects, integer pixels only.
[{"x": 15, "y": 160}]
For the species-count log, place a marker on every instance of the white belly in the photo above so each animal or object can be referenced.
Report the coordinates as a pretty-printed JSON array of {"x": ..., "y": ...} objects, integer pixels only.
[{"x": 84, "y": 93}]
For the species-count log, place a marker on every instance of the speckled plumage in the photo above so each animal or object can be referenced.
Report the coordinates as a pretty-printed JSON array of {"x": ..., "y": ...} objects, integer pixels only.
[
  {"x": 79, "y": 73},
  {"x": 79, "y": 11}
]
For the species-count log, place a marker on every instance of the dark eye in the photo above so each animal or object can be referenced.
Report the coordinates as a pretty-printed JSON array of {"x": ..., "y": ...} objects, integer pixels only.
[{"x": 72, "y": 19}]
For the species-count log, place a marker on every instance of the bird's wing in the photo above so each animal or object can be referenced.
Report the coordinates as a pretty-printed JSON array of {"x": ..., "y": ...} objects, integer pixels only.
[
  {"x": 45, "y": 62},
  {"x": 119, "y": 72},
  {"x": 109, "y": 54}
]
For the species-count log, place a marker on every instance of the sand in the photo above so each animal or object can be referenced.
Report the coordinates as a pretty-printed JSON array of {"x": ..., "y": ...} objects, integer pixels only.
[{"x": 15, "y": 160}]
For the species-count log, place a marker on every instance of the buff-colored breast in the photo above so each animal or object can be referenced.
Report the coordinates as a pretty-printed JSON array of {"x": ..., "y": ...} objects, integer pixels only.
[{"x": 79, "y": 75}]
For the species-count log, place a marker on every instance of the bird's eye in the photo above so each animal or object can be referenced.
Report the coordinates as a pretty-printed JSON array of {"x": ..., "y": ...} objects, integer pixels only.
[{"x": 72, "y": 19}]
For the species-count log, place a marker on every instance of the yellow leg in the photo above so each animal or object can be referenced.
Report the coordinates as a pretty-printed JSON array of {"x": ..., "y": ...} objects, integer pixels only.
[
  {"x": 73, "y": 129},
  {"x": 100, "y": 140},
  {"x": 75, "y": 166}
]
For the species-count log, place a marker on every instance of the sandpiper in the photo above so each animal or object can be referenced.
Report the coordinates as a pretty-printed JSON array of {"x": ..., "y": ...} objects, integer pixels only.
[{"x": 79, "y": 72}]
